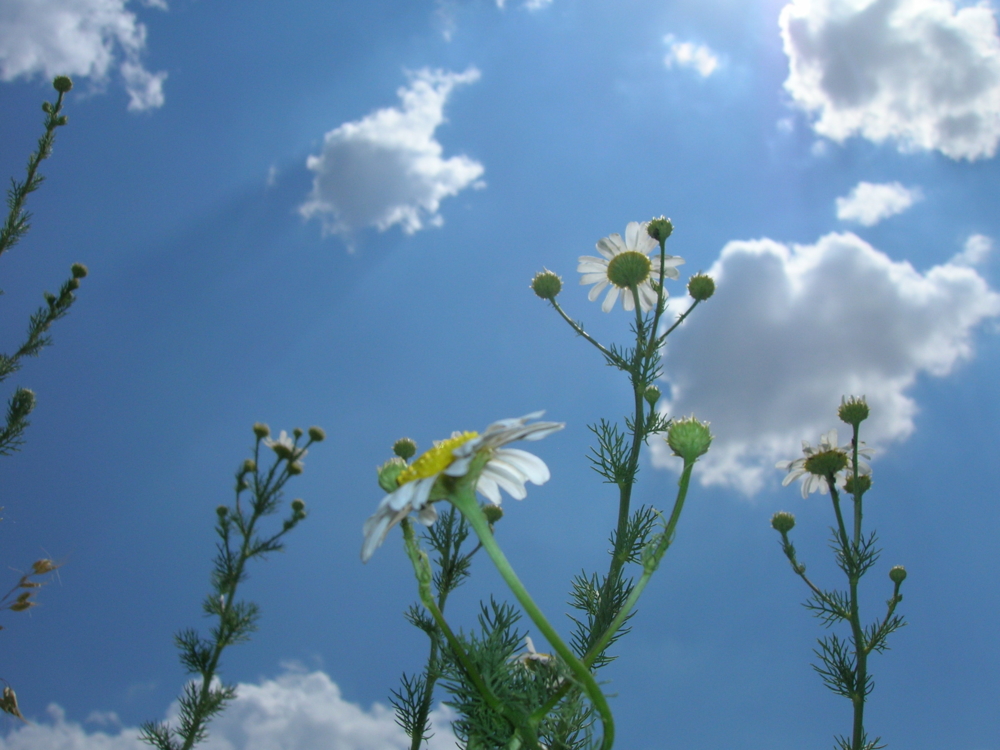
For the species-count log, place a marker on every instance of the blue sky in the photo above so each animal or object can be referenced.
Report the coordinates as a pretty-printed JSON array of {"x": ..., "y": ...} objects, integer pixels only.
[{"x": 329, "y": 213}]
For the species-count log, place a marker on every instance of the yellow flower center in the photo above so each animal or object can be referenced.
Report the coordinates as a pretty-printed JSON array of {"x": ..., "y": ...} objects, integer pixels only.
[{"x": 436, "y": 460}]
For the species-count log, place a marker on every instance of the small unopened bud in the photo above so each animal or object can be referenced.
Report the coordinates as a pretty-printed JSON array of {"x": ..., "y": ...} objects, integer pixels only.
[
  {"x": 492, "y": 512},
  {"x": 46, "y": 107},
  {"x": 660, "y": 228},
  {"x": 242, "y": 484},
  {"x": 62, "y": 84},
  {"x": 222, "y": 511},
  {"x": 782, "y": 522},
  {"x": 316, "y": 434},
  {"x": 689, "y": 438},
  {"x": 652, "y": 395},
  {"x": 297, "y": 432},
  {"x": 298, "y": 506},
  {"x": 853, "y": 411},
  {"x": 389, "y": 472},
  {"x": 62, "y": 120},
  {"x": 897, "y": 574},
  {"x": 73, "y": 284},
  {"x": 295, "y": 468},
  {"x": 701, "y": 287},
  {"x": 43, "y": 566},
  {"x": 78, "y": 270},
  {"x": 864, "y": 484},
  {"x": 546, "y": 284},
  {"x": 249, "y": 466},
  {"x": 404, "y": 448},
  {"x": 826, "y": 463},
  {"x": 261, "y": 430}
]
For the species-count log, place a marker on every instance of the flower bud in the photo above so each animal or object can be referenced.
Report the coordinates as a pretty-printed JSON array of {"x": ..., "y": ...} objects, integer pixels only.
[
  {"x": 297, "y": 432},
  {"x": 492, "y": 512},
  {"x": 222, "y": 511},
  {"x": 782, "y": 522},
  {"x": 62, "y": 120},
  {"x": 298, "y": 507},
  {"x": 546, "y": 284},
  {"x": 389, "y": 472},
  {"x": 62, "y": 84},
  {"x": 660, "y": 228},
  {"x": 43, "y": 566},
  {"x": 316, "y": 434},
  {"x": 864, "y": 484},
  {"x": 652, "y": 395},
  {"x": 853, "y": 411},
  {"x": 73, "y": 284},
  {"x": 701, "y": 287},
  {"x": 295, "y": 468},
  {"x": 404, "y": 448},
  {"x": 689, "y": 438},
  {"x": 249, "y": 466},
  {"x": 78, "y": 270},
  {"x": 46, "y": 107},
  {"x": 826, "y": 463},
  {"x": 261, "y": 430},
  {"x": 897, "y": 574}
]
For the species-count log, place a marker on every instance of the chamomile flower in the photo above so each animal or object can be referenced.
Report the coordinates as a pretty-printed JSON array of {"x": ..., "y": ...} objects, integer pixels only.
[
  {"x": 506, "y": 468},
  {"x": 624, "y": 264},
  {"x": 812, "y": 482},
  {"x": 284, "y": 447}
]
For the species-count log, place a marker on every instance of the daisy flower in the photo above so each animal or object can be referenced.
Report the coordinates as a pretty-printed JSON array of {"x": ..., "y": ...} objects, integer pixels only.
[
  {"x": 624, "y": 263},
  {"x": 284, "y": 447},
  {"x": 506, "y": 468},
  {"x": 814, "y": 482}
]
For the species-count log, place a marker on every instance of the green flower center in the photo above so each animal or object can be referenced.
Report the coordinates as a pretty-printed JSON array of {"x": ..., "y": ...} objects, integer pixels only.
[
  {"x": 826, "y": 463},
  {"x": 629, "y": 269},
  {"x": 434, "y": 461}
]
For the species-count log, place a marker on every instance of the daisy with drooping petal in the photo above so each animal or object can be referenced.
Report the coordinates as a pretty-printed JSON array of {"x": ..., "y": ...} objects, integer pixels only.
[
  {"x": 816, "y": 482},
  {"x": 506, "y": 468},
  {"x": 624, "y": 264}
]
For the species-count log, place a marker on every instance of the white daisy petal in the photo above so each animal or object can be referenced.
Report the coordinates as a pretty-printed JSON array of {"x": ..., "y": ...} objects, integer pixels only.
[
  {"x": 610, "y": 300},
  {"x": 598, "y": 288},
  {"x": 489, "y": 489},
  {"x": 507, "y": 481},
  {"x": 528, "y": 464}
]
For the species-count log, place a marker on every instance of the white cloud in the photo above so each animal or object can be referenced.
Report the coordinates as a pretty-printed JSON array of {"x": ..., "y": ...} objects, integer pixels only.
[
  {"x": 529, "y": 4},
  {"x": 868, "y": 203},
  {"x": 80, "y": 38},
  {"x": 698, "y": 57},
  {"x": 386, "y": 168},
  {"x": 296, "y": 711},
  {"x": 793, "y": 328},
  {"x": 977, "y": 248},
  {"x": 918, "y": 72}
]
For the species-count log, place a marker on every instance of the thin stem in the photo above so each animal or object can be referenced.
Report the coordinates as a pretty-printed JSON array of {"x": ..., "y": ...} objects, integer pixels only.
[{"x": 580, "y": 332}]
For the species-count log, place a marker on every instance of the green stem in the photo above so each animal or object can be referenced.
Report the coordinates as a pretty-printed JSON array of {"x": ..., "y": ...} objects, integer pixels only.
[
  {"x": 464, "y": 499},
  {"x": 580, "y": 332}
]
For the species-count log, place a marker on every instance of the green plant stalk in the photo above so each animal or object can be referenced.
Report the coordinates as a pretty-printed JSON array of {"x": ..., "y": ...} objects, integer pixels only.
[{"x": 464, "y": 498}]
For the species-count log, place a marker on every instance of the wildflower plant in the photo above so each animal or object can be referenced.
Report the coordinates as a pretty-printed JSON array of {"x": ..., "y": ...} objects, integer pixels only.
[
  {"x": 240, "y": 540},
  {"x": 843, "y": 665},
  {"x": 505, "y": 692}
]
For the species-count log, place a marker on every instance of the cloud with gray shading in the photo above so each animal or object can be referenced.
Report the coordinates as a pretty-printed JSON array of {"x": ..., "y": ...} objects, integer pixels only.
[
  {"x": 916, "y": 72},
  {"x": 976, "y": 250},
  {"x": 296, "y": 711},
  {"x": 868, "y": 203},
  {"x": 792, "y": 328},
  {"x": 79, "y": 38},
  {"x": 387, "y": 168}
]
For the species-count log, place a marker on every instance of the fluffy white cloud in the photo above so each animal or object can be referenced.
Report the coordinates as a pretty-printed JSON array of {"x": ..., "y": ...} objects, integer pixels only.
[
  {"x": 977, "y": 249},
  {"x": 793, "y": 328},
  {"x": 297, "y": 711},
  {"x": 918, "y": 72},
  {"x": 386, "y": 168},
  {"x": 868, "y": 203},
  {"x": 698, "y": 57},
  {"x": 529, "y": 4},
  {"x": 81, "y": 38}
]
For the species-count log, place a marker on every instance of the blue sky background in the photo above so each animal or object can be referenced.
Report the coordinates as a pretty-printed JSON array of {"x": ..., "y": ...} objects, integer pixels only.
[{"x": 521, "y": 135}]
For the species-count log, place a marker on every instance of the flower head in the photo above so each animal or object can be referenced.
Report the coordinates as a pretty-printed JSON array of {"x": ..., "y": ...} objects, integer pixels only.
[
  {"x": 827, "y": 444},
  {"x": 505, "y": 468},
  {"x": 625, "y": 264}
]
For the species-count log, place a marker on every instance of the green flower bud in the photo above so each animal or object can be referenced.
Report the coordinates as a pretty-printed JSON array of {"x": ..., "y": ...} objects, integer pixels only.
[
  {"x": 897, "y": 574},
  {"x": 297, "y": 432},
  {"x": 282, "y": 451},
  {"x": 826, "y": 463},
  {"x": 79, "y": 270},
  {"x": 294, "y": 468},
  {"x": 701, "y": 287},
  {"x": 404, "y": 448},
  {"x": 316, "y": 434},
  {"x": 249, "y": 466},
  {"x": 62, "y": 84},
  {"x": 222, "y": 511},
  {"x": 660, "y": 228},
  {"x": 241, "y": 485},
  {"x": 864, "y": 483},
  {"x": 546, "y": 284},
  {"x": 689, "y": 438},
  {"x": 46, "y": 107},
  {"x": 62, "y": 120},
  {"x": 298, "y": 507},
  {"x": 492, "y": 512},
  {"x": 261, "y": 430},
  {"x": 652, "y": 395},
  {"x": 629, "y": 269},
  {"x": 73, "y": 284},
  {"x": 389, "y": 472},
  {"x": 782, "y": 522},
  {"x": 853, "y": 411}
]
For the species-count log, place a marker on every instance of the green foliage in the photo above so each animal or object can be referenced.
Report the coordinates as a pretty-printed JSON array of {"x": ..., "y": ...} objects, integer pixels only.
[{"x": 234, "y": 621}]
